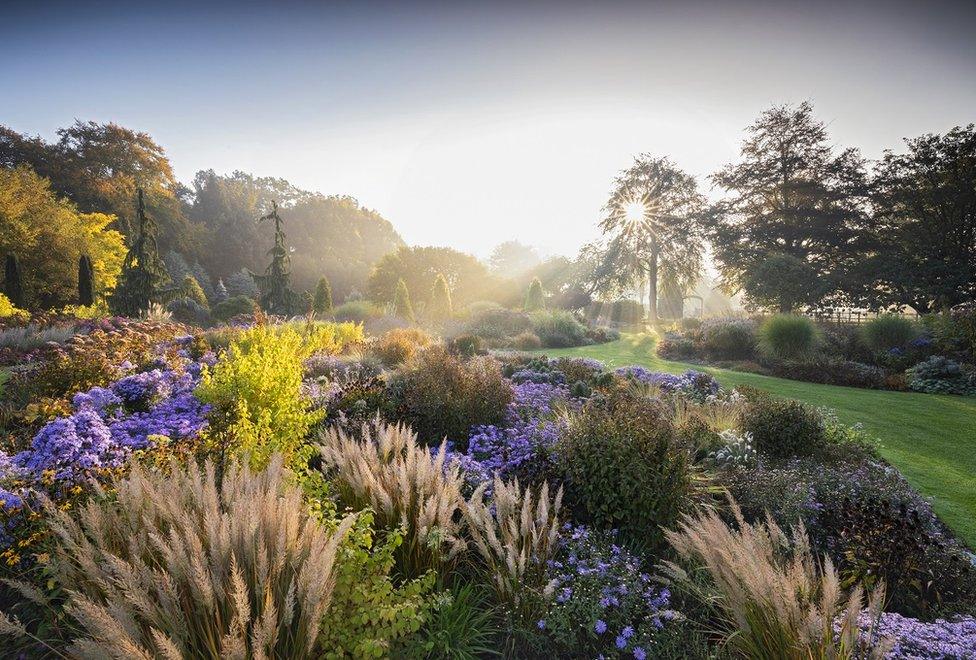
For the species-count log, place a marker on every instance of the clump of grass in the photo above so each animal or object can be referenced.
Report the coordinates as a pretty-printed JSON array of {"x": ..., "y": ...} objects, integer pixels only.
[
  {"x": 405, "y": 484},
  {"x": 174, "y": 565},
  {"x": 515, "y": 534},
  {"x": 788, "y": 336},
  {"x": 771, "y": 596}
]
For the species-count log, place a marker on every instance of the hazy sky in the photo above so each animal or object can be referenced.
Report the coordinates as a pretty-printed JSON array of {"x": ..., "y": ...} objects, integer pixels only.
[{"x": 465, "y": 124}]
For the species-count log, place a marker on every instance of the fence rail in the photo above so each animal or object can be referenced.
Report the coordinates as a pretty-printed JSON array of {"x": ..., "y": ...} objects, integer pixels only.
[{"x": 854, "y": 316}]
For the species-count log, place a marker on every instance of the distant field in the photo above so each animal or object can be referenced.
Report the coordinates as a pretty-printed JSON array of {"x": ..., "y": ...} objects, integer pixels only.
[{"x": 930, "y": 438}]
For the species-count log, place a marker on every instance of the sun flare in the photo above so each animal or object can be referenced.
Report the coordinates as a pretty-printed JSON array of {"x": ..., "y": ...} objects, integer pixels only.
[{"x": 634, "y": 211}]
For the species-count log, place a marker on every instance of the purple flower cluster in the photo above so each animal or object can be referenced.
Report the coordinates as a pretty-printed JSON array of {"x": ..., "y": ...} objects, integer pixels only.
[
  {"x": 604, "y": 602},
  {"x": 528, "y": 375},
  {"x": 693, "y": 384},
  {"x": 918, "y": 640}
]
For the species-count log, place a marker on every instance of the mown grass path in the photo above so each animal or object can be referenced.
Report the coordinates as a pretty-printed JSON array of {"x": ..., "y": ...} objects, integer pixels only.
[{"x": 930, "y": 438}]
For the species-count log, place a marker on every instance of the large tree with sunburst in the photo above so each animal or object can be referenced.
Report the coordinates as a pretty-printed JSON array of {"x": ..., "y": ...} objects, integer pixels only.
[{"x": 652, "y": 227}]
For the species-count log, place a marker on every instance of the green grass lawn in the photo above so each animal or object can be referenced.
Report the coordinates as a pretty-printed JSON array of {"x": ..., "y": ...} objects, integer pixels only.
[{"x": 930, "y": 438}]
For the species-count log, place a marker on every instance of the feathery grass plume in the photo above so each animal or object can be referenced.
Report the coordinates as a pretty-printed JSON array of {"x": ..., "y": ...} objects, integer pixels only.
[
  {"x": 516, "y": 535},
  {"x": 405, "y": 484},
  {"x": 769, "y": 594},
  {"x": 176, "y": 567}
]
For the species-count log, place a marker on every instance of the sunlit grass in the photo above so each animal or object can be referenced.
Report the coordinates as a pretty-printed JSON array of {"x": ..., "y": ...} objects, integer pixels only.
[{"x": 930, "y": 438}]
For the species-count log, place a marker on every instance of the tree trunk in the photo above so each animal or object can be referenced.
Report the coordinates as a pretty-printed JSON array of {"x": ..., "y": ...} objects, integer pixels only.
[{"x": 652, "y": 283}]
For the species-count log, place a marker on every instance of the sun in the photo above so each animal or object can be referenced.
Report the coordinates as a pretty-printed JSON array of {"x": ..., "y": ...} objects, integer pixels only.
[{"x": 634, "y": 212}]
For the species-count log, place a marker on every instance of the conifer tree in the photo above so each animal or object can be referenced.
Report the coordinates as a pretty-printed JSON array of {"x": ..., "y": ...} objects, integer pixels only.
[
  {"x": 401, "y": 301},
  {"x": 13, "y": 283},
  {"x": 440, "y": 299},
  {"x": 322, "y": 303},
  {"x": 276, "y": 297},
  {"x": 193, "y": 291},
  {"x": 220, "y": 292},
  {"x": 143, "y": 272},
  {"x": 534, "y": 299},
  {"x": 86, "y": 281}
]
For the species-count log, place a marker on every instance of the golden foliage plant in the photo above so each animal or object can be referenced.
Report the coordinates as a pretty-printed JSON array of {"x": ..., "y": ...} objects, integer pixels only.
[
  {"x": 772, "y": 597},
  {"x": 406, "y": 485},
  {"x": 515, "y": 534},
  {"x": 175, "y": 566}
]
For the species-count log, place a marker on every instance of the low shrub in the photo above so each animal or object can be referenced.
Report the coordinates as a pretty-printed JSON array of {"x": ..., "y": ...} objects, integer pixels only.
[
  {"x": 676, "y": 347},
  {"x": 888, "y": 331},
  {"x": 397, "y": 346},
  {"x": 357, "y": 311},
  {"x": 622, "y": 468},
  {"x": 466, "y": 345},
  {"x": 10, "y": 312},
  {"x": 831, "y": 371},
  {"x": 940, "y": 375},
  {"x": 235, "y": 306},
  {"x": 527, "y": 341},
  {"x": 173, "y": 565},
  {"x": 498, "y": 323},
  {"x": 689, "y": 323},
  {"x": 729, "y": 339},
  {"x": 787, "y": 336},
  {"x": 558, "y": 329},
  {"x": 440, "y": 396},
  {"x": 783, "y": 428},
  {"x": 188, "y": 310},
  {"x": 770, "y": 595}
]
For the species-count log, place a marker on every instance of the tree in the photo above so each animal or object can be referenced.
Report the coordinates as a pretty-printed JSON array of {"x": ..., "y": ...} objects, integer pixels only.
[
  {"x": 143, "y": 273},
  {"x": 86, "y": 281},
  {"x": 440, "y": 299},
  {"x": 402, "y": 307},
  {"x": 467, "y": 278},
  {"x": 13, "y": 283},
  {"x": 512, "y": 258},
  {"x": 782, "y": 282},
  {"x": 49, "y": 235},
  {"x": 191, "y": 289},
  {"x": 652, "y": 223},
  {"x": 789, "y": 194},
  {"x": 276, "y": 297},
  {"x": 220, "y": 292},
  {"x": 322, "y": 303},
  {"x": 534, "y": 298},
  {"x": 924, "y": 231}
]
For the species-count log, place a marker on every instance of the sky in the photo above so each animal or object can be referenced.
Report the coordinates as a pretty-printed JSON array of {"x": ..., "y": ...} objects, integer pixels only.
[{"x": 469, "y": 124}]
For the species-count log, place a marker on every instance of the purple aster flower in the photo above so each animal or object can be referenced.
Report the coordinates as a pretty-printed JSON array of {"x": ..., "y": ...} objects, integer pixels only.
[{"x": 600, "y": 626}]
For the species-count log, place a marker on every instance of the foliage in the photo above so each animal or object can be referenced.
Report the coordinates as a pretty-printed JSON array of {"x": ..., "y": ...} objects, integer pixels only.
[
  {"x": 729, "y": 339},
  {"x": 276, "y": 296},
  {"x": 498, "y": 323},
  {"x": 418, "y": 267},
  {"x": 558, "y": 328},
  {"x": 527, "y": 341},
  {"x": 534, "y": 297},
  {"x": 771, "y": 597},
  {"x": 13, "y": 281},
  {"x": 402, "y": 307},
  {"x": 736, "y": 451},
  {"x": 397, "y": 346},
  {"x": 176, "y": 565},
  {"x": 515, "y": 534},
  {"x": 191, "y": 289},
  {"x": 143, "y": 273},
  {"x": 188, "y": 310},
  {"x": 781, "y": 282},
  {"x": 9, "y": 311},
  {"x": 623, "y": 470},
  {"x": 940, "y": 375},
  {"x": 241, "y": 284},
  {"x": 442, "y": 397},
  {"x": 370, "y": 614},
  {"x": 357, "y": 311},
  {"x": 322, "y": 302},
  {"x": 605, "y": 604},
  {"x": 782, "y": 428},
  {"x": 48, "y": 234},
  {"x": 511, "y": 259},
  {"x": 234, "y": 306},
  {"x": 460, "y": 625},
  {"x": 789, "y": 194},
  {"x": 440, "y": 299},
  {"x": 787, "y": 336},
  {"x": 408, "y": 488},
  {"x": 888, "y": 331}
]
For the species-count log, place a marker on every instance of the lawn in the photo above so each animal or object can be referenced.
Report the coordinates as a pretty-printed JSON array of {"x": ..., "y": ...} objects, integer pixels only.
[{"x": 930, "y": 438}]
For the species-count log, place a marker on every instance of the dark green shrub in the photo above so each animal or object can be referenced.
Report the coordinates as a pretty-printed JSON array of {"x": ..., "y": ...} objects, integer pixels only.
[
  {"x": 676, "y": 347},
  {"x": 188, "y": 310},
  {"x": 460, "y": 625},
  {"x": 235, "y": 306},
  {"x": 534, "y": 298},
  {"x": 622, "y": 468},
  {"x": 787, "y": 336},
  {"x": 322, "y": 301},
  {"x": 888, "y": 331},
  {"x": 442, "y": 397},
  {"x": 940, "y": 375},
  {"x": 558, "y": 329},
  {"x": 730, "y": 339},
  {"x": 831, "y": 371},
  {"x": 783, "y": 428},
  {"x": 466, "y": 345}
]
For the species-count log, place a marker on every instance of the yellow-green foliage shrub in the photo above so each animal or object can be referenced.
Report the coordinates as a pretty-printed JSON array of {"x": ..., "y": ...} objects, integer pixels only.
[
  {"x": 9, "y": 312},
  {"x": 256, "y": 389},
  {"x": 399, "y": 345},
  {"x": 369, "y": 614}
]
